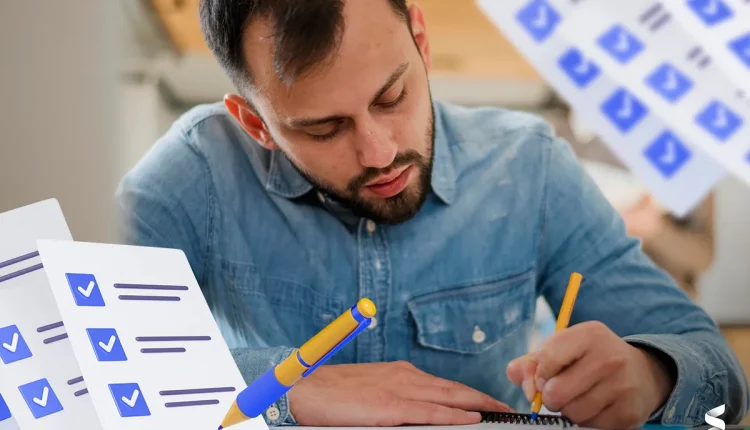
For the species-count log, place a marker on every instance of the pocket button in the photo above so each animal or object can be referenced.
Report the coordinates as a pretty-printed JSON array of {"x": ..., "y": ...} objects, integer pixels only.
[{"x": 478, "y": 336}]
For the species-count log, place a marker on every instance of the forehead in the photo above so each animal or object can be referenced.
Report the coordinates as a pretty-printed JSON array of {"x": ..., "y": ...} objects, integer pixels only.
[{"x": 374, "y": 43}]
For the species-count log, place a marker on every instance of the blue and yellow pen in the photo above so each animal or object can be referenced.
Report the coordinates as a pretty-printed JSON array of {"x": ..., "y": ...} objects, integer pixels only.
[{"x": 273, "y": 384}]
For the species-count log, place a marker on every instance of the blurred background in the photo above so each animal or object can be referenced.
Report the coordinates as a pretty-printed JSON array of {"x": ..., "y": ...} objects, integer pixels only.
[{"x": 88, "y": 86}]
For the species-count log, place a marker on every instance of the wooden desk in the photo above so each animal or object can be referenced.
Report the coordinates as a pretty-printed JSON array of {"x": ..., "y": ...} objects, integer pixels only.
[{"x": 739, "y": 340}]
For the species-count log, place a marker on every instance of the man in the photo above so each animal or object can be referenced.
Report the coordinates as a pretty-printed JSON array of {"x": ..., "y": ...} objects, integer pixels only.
[{"x": 333, "y": 176}]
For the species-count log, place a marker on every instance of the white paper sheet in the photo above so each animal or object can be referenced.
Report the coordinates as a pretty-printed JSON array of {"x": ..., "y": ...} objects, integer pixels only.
[
  {"x": 143, "y": 335},
  {"x": 631, "y": 70},
  {"x": 39, "y": 376}
]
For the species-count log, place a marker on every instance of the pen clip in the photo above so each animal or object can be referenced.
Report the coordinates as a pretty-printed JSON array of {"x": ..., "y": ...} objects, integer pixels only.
[{"x": 363, "y": 325}]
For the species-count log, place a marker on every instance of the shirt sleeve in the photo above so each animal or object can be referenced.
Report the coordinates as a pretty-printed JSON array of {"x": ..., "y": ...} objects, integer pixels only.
[{"x": 581, "y": 232}]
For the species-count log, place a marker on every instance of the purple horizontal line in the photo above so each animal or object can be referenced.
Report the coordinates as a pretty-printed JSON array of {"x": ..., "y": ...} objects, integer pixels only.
[
  {"x": 82, "y": 392},
  {"x": 197, "y": 391},
  {"x": 19, "y": 259},
  {"x": 151, "y": 298},
  {"x": 171, "y": 338},
  {"x": 704, "y": 62},
  {"x": 20, "y": 272},
  {"x": 694, "y": 53},
  {"x": 50, "y": 327},
  {"x": 161, "y": 350},
  {"x": 75, "y": 380},
  {"x": 56, "y": 338},
  {"x": 660, "y": 22},
  {"x": 151, "y": 287},
  {"x": 192, "y": 403},
  {"x": 650, "y": 12}
]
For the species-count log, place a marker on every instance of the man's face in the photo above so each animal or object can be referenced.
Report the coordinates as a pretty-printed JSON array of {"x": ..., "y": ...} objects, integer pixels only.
[{"x": 360, "y": 127}]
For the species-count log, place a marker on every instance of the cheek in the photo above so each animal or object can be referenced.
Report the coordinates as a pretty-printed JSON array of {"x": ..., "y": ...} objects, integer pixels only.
[{"x": 331, "y": 162}]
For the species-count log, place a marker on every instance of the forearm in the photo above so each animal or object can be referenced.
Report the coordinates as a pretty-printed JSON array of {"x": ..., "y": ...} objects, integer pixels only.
[{"x": 253, "y": 363}]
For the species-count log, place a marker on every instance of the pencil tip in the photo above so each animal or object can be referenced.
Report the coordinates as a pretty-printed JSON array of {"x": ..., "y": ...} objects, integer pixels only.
[{"x": 221, "y": 427}]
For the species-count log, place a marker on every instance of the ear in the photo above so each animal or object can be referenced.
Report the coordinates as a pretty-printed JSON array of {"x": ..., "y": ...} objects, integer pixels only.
[
  {"x": 419, "y": 31},
  {"x": 249, "y": 120}
]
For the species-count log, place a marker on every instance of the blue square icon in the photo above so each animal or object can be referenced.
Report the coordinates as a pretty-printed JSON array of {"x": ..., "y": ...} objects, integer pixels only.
[
  {"x": 720, "y": 121},
  {"x": 712, "y": 12},
  {"x": 129, "y": 400},
  {"x": 107, "y": 345},
  {"x": 741, "y": 47},
  {"x": 41, "y": 398},
  {"x": 578, "y": 68},
  {"x": 668, "y": 154},
  {"x": 621, "y": 44},
  {"x": 624, "y": 110},
  {"x": 669, "y": 82},
  {"x": 13, "y": 346},
  {"x": 4, "y": 410},
  {"x": 85, "y": 289},
  {"x": 539, "y": 18}
]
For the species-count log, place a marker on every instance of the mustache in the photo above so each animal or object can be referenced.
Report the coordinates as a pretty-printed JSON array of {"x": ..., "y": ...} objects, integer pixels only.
[{"x": 402, "y": 159}]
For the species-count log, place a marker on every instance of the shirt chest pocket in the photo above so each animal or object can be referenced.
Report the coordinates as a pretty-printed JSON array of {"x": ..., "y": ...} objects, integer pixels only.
[{"x": 472, "y": 320}]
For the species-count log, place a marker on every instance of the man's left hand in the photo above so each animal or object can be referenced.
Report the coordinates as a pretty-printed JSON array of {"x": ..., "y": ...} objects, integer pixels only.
[{"x": 594, "y": 377}]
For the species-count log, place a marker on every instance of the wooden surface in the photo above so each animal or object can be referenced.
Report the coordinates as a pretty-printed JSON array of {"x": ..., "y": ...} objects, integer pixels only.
[
  {"x": 463, "y": 40},
  {"x": 739, "y": 340}
]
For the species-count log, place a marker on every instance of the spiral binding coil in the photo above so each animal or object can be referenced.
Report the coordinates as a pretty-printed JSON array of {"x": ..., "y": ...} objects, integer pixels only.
[{"x": 510, "y": 418}]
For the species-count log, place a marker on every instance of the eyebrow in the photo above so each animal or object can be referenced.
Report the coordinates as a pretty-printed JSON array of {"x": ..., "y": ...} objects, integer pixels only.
[{"x": 310, "y": 122}]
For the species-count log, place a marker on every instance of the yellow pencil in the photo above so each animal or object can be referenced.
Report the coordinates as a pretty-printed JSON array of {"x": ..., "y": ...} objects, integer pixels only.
[{"x": 563, "y": 319}]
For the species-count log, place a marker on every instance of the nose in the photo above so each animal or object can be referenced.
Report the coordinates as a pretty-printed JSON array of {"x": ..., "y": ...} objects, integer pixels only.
[{"x": 375, "y": 148}]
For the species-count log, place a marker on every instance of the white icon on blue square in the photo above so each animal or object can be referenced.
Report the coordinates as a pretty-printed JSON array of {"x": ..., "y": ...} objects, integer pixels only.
[
  {"x": 711, "y": 12},
  {"x": 13, "y": 346},
  {"x": 539, "y": 18},
  {"x": 129, "y": 400},
  {"x": 621, "y": 44},
  {"x": 669, "y": 82},
  {"x": 624, "y": 110},
  {"x": 719, "y": 120},
  {"x": 107, "y": 345},
  {"x": 668, "y": 154},
  {"x": 40, "y": 398},
  {"x": 578, "y": 68},
  {"x": 741, "y": 47},
  {"x": 85, "y": 289},
  {"x": 4, "y": 410}
]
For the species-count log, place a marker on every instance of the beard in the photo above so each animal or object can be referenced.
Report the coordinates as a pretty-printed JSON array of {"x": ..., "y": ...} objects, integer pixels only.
[{"x": 392, "y": 210}]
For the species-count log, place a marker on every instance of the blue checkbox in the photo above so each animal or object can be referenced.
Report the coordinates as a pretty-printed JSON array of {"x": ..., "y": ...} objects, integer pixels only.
[
  {"x": 578, "y": 68},
  {"x": 539, "y": 18},
  {"x": 107, "y": 345},
  {"x": 741, "y": 47},
  {"x": 668, "y": 154},
  {"x": 4, "y": 410},
  {"x": 711, "y": 12},
  {"x": 85, "y": 289},
  {"x": 41, "y": 398},
  {"x": 719, "y": 120},
  {"x": 13, "y": 346},
  {"x": 624, "y": 110},
  {"x": 621, "y": 44},
  {"x": 669, "y": 82},
  {"x": 129, "y": 400}
]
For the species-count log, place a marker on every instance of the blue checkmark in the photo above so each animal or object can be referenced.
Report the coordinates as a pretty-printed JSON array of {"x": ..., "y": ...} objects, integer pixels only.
[
  {"x": 129, "y": 400},
  {"x": 712, "y": 12},
  {"x": 719, "y": 120},
  {"x": 85, "y": 289},
  {"x": 741, "y": 47},
  {"x": 578, "y": 68},
  {"x": 106, "y": 344},
  {"x": 669, "y": 82},
  {"x": 668, "y": 154},
  {"x": 624, "y": 110},
  {"x": 4, "y": 410},
  {"x": 13, "y": 346},
  {"x": 41, "y": 398},
  {"x": 539, "y": 19},
  {"x": 621, "y": 43}
]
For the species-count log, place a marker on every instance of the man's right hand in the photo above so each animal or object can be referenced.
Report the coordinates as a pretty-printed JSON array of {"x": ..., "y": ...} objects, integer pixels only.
[{"x": 385, "y": 394}]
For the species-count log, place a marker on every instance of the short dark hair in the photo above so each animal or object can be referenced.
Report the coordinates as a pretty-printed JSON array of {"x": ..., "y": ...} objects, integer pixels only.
[{"x": 306, "y": 32}]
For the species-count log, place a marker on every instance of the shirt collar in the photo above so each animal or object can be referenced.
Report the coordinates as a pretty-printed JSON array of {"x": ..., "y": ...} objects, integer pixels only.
[{"x": 285, "y": 180}]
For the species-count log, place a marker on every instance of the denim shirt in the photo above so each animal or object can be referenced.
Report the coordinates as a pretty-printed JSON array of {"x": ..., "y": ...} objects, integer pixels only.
[{"x": 510, "y": 214}]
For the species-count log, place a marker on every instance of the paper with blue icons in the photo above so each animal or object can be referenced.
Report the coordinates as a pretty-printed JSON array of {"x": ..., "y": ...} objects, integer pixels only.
[
  {"x": 658, "y": 91},
  {"x": 40, "y": 380},
  {"x": 151, "y": 353}
]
